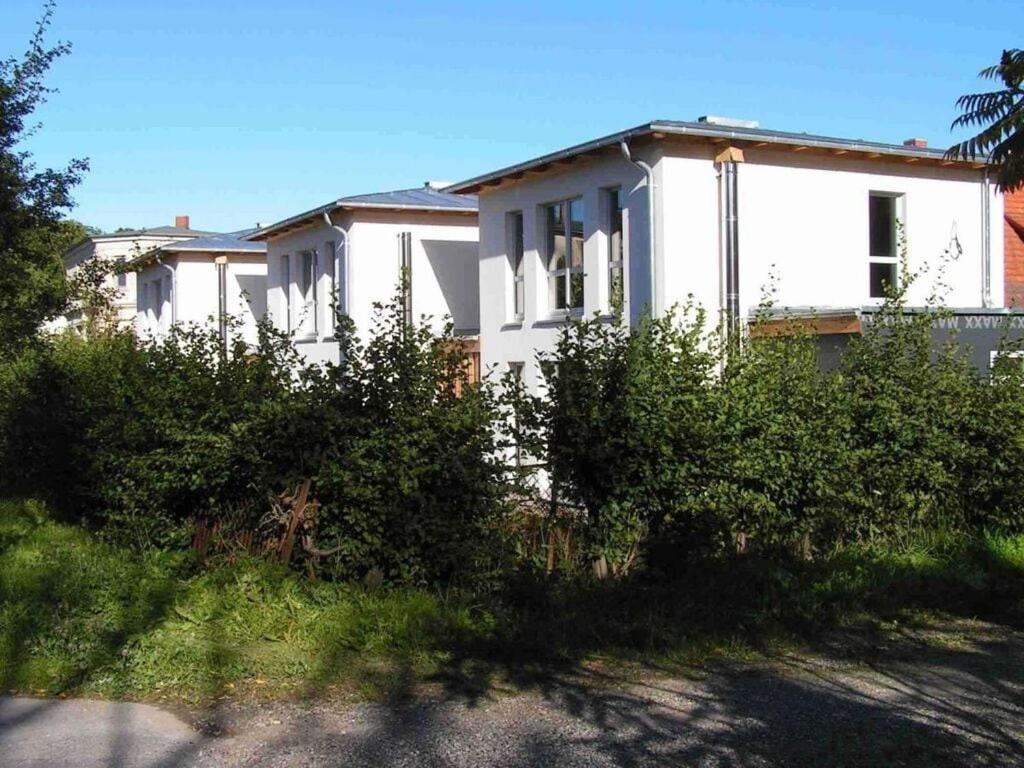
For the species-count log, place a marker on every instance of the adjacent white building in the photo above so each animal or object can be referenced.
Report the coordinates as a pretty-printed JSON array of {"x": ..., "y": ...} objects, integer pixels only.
[
  {"x": 349, "y": 254},
  {"x": 120, "y": 248},
  {"x": 207, "y": 281},
  {"x": 729, "y": 208}
]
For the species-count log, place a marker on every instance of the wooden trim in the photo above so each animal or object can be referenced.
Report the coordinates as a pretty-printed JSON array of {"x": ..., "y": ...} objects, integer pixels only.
[
  {"x": 815, "y": 326},
  {"x": 730, "y": 154}
]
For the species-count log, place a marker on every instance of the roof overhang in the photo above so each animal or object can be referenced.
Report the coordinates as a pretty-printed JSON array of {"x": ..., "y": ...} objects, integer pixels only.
[
  {"x": 315, "y": 215},
  {"x": 154, "y": 254},
  {"x": 712, "y": 134}
]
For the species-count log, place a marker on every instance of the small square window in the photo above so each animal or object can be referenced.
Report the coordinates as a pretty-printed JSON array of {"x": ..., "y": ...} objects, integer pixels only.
[{"x": 882, "y": 277}]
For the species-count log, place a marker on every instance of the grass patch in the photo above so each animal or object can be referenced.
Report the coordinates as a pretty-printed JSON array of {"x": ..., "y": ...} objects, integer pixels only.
[{"x": 82, "y": 616}]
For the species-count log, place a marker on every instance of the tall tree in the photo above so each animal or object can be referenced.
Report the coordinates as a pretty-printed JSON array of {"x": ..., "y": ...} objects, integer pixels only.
[
  {"x": 32, "y": 201},
  {"x": 1000, "y": 113}
]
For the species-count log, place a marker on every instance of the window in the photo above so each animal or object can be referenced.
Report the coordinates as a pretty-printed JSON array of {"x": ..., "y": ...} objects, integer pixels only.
[
  {"x": 516, "y": 371},
  {"x": 516, "y": 262},
  {"x": 158, "y": 301},
  {"x": 1005, "y": 362},
  {"x": 122, "y": 275},
  {"x": 331, "y": 291},
  {"x": 166, "y": 295},
  {"x": 286, "y": 291},
  {"x": 563, "y": 229},
  {"x": 616, "y": 262},
  {"x": 883, "y": 266},
  {"x": 306, "y": 284}
]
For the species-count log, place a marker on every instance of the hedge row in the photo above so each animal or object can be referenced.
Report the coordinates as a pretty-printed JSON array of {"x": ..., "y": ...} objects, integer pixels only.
[{"x": 672, "y": 451}]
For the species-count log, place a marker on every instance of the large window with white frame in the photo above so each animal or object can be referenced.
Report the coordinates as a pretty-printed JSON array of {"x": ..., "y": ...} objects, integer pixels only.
[
  {"x": 516, "y": 262},
  {"x": 616, "y": 249},
  {"x": 563, "y": 254},
  {"x": 883, "y": 242}
]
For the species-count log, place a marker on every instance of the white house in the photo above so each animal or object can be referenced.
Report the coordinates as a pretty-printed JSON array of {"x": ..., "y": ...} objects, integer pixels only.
[
  {"x": 203, "y": 281},
  {"x": 122, "y": 247},
  {"x": 727, "y": 205},
  {"x": 349, "y": 254}
]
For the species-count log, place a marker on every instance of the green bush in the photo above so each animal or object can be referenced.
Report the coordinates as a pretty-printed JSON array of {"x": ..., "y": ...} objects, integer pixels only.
[
  {"x": 409, "y": 475},
  {"x": 664, "y": 450},
  {"x": 141, "y": 438},
  {"x": 677, "y": 451}
]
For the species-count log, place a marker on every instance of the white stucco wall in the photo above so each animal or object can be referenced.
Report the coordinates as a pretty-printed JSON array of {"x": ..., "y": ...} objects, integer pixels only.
[
  {"x": 803, "y": 218},
  {"x": 502, "y": 338},
  {"x": 112, "y": 248},
  {"x": 195, "y": 295},
  {"x": 806, "y": 220},
  {"x": 444, "y": 273}
]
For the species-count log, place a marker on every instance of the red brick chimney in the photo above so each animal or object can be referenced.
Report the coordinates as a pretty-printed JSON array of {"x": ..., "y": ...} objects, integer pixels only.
[
  {"x": 1013, "y": 248},
  {"x": 181, "y": 222},
  {"x": 919, "y": 143}
]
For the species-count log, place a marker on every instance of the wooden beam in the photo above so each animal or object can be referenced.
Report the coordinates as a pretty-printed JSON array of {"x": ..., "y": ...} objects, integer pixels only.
[
  {"x": 874, "y": 155},
  {"x": 815, "y": 326},
  {"x": 730, "y": 154},
  {"x": 840, "y": 152}
]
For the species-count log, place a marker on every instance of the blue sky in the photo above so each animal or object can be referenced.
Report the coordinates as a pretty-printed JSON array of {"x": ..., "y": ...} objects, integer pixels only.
[{"x": 238, "y": 112}]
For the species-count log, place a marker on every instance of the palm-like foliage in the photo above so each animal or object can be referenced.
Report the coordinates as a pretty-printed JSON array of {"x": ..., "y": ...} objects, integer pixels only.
[{"x": 1002, "y": 115}]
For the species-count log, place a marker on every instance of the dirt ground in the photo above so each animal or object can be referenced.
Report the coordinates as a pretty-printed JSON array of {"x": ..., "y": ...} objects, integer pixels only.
[{"x": 951, "y": 694}]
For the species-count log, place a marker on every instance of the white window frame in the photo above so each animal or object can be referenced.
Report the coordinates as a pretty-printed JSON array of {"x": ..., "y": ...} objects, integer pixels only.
[
  {"x": 897, "y": 199},
  {"x": 516, "y": 248},
  {"x": 567, "y": 270}
]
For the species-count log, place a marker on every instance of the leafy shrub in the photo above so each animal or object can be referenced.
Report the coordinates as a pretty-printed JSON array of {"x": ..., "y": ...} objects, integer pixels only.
[
  {"x": 677, "y": 454},
  {"x": 409, "y": 475},
  {"x": 143, "y": 437}
]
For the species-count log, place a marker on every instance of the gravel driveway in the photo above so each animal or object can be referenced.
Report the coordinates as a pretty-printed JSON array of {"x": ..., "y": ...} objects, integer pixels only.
[{"x": 956, "y": 699}]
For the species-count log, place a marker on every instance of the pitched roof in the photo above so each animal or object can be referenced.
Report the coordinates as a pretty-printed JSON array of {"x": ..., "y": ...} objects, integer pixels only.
[
  {"x": 230, "y": 243},
  {"x": 213, "y": 243},
  {"x": 157, "y": 232},
  {"x": 739, "y": 135},
  {"x": 419, "y": 199}
]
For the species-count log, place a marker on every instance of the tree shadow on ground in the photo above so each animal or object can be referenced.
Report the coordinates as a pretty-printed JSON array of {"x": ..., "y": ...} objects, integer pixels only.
[{"x": 944, "y": 707}]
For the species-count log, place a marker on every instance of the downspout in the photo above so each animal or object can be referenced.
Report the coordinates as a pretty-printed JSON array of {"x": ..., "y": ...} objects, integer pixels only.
[
  {"x": 732, "y": 251},
  {"x": 340, "y": 281},
  {"x": 728, "y": 179},
  {"x": 649, "y": 173},
  {"x": 222, "y": 300},
  {"x": 986, "y": 242},
  {"x": 174, "y": 288}
]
